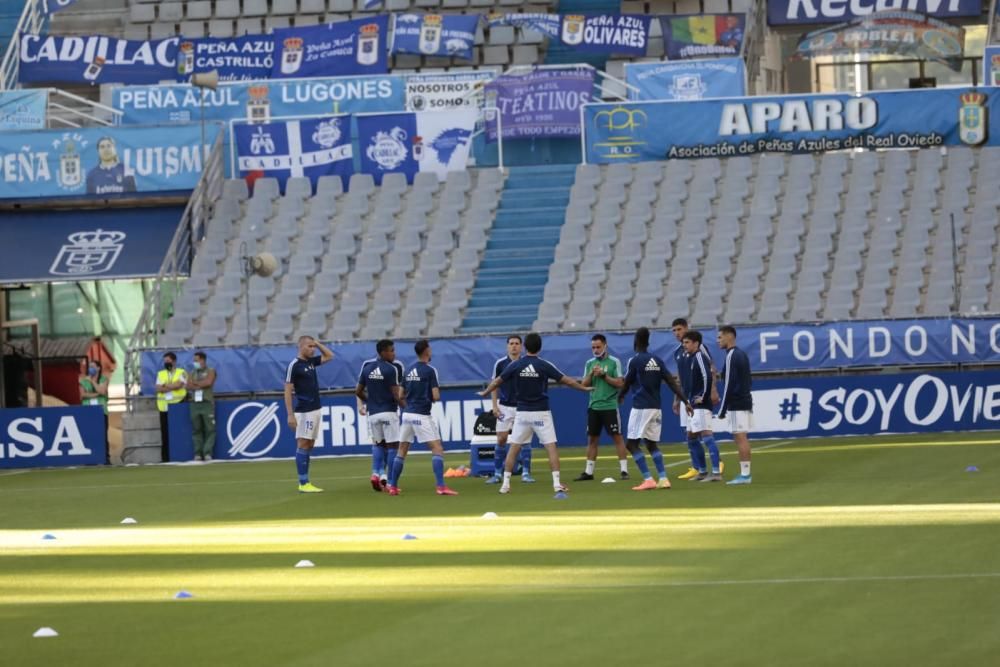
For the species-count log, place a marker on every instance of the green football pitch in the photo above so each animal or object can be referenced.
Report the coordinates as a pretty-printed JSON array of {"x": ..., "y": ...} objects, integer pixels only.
[{"x": 843, "y": 552}]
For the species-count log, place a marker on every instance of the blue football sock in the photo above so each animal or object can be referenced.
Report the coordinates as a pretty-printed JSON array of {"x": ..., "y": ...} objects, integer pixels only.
[
  {"x": 437, "y": 463},
  {"x": 499, "y": 457},
  {"x": 302, "y": 465},
  {"x": 390, "y": 458},
  {"x": 526, "y": 460},
  {"x": 657, "y": 457},
  {"x": 697, "y": 454},
  {"x": 640, "y": 463},
  {"x": 378, "y": 459},
  {"x": 713, "y": 452},
  {"x": 396, "y": 470}
]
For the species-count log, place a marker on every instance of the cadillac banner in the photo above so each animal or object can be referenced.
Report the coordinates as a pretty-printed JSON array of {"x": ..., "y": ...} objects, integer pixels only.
[
  {"x": 96, "y": 59},
  {"x": 639, "y": 131}
]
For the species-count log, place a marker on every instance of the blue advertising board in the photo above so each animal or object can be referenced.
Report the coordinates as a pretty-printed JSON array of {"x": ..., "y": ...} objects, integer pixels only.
[
  {"x": 789, "y": 12},
  {"x": 52, "y": 437},
  {"x": 101, "y": 161},
  {"x": 786, "y": 408},
  {"x": 640, "y": 131},
  {"x": 23, "y": 109},
  {"x": 772, "y": 349},
  {"x": 42, "y": 246},
  {"x": 96, "y": 59},
  {"x": 687, "y": 79},
  {"x": 338, "y": 49},
  {"x": 145, "y": 105}
]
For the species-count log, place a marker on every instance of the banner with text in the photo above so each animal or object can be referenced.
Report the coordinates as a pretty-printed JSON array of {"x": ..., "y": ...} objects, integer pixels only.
[
  {"x": 436, "y": 92},
  {"x": 310, "y": 147},
  {"x": 23, "y": 109},
  {"x": 624, "y": 34},
  {"x": 544, "y": 103},
  {"x": 639, "y": 131},
  {"x": 785, "y": 12},
  {"x": 246, "y": 58},
  {"x": 687, "y": 79},
  {"x": 411, "y": 142},
  {"x": 448, "y": 35},
  {"x": 702, "y": 35},
  {"x": 991, "y": 66},
  {"x": 144, "y": 105},
  {"x": 545, "y": 24},
  {"x": 96, "y": 59},
  {"x": 52, "y": 437},
  {"x": 101, "y": 161},
  {"x": 332, "y": 49}
]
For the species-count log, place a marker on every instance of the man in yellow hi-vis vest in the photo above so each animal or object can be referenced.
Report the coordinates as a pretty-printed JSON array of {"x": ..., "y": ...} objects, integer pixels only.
[{"x": 170, "y": 388}]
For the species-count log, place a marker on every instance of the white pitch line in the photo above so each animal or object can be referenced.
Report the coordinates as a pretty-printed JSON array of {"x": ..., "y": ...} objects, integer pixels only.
[
  {"x": 13, "y": 472},
  {"x": 811, "y": 580}
]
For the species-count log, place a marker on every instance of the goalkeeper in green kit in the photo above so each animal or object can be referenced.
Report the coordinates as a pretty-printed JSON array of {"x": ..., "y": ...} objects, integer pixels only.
[{"x": 604, "y": 373}]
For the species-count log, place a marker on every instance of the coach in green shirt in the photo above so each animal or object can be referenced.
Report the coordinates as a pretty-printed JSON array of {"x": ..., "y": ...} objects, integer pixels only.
[{"x": 604, "y": 373}]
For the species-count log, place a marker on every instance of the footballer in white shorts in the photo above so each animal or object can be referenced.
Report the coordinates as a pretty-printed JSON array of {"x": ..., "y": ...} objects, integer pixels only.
[
  {"x": 700, "y": 421},
  {"x": 645, "y": 423},
  {"x": 505, "y": 422},
  {"x": 740, "y": 421},
  {"x": 383, "y": 427},
  {"x": 538, "y": 423},
  {"x": 418, "y": 428},
  {"x": 307, "y": 425},
  {"x": 684, "y": 419}
]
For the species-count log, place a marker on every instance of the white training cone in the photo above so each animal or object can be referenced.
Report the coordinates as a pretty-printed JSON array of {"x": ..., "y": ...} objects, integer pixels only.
[
  {"x": 127, "y": 521},
  {"x": 490, "y": 515},
  {"x": 608, "y": 480},
  {"x": 305, "y": 563},
  {"x": 45, "y": 632}
]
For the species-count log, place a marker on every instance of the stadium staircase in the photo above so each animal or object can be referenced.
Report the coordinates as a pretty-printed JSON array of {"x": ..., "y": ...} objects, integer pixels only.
[{"x": 511, "y": 277}]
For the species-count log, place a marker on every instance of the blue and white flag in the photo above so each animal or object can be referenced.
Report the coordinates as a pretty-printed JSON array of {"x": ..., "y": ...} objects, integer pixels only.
[
  {"x": 547, "y": 24},
  {"x": 686, "y": 79},
  {"x": 627, "y": 34},
  {"x": 52, "y": 6},
  {"x": 312, "y": 148},
  {"x": 333, "y": 49},
  {"x": 411, "y": 142},
  {"x": 96, "y": 59},
  {"x": 372, "y": 4},
  {"x": 435, "y": 34},
  {"x": 247, "y": 58}
]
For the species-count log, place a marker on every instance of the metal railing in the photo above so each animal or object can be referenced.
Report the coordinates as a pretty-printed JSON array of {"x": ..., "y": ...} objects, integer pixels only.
[
  {"x": 992, "y": 30},
  {"x": 32, "y": 20},
  {"x": 754, "y": 38},
  {"x": 82, "y": 113},
  {"x": 176, "y": 264}
]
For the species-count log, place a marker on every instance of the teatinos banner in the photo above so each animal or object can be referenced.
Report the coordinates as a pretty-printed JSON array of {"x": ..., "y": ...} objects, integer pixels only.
[
  {"x": 333, "y": 49},
  {"x": 437, "y": 92},
  {"x": 23, "y": 109},
  {"x": 703, "y": 35},
  {"x": 312, "y": 148},
  {"x": 96, "y": 59},
  {"x": 543, "y": 103},
  {"x": 624, "y": 34},
  {"x": 101, "y": 161},
  {"x": 411, "y": 142},
  {"x": 687, "y": 79},
  {"x": 449, "y": 35},
  {"x": 546, "y": 24},
  {"x": 906, "y": 34},
  {"x": 638, "y": 131},
  {"x": 247, "y": 58}
]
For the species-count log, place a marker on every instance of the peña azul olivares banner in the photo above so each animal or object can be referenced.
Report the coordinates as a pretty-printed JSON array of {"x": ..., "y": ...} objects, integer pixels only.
[
  {"x": 96, "y": 59},
  {"x": 639, "y": 131},
  {"x": 625, "y": 34}
]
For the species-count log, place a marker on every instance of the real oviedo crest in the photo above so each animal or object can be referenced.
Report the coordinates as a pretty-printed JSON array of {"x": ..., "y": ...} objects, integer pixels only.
[
  {"x": 572, "y": 29},
  {"x": 972, "y": 120},
  {"x": 368, "y": 44}
]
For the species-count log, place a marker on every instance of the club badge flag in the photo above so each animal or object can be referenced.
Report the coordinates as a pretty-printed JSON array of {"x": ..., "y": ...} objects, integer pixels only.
[
  {"x": 450, "y": 35},
  {"x": 625, "y": 34},
  {"x": 332, "y": 49},
  {"x": 687, "y": 37},
  {"x": 247, "y": 58},
  {"x": 372, "y": 4},
  {"x": 686, "y": 79},
  {"x": 991, "y": 63},
  {"x": 544, "y": 103},
  {"x": 52, "y": 6},
  {"x": 411, "y": 142},
  {"x": 96, "y": 59},
  {"x": 312, "y": 148},
  {"x": 547, "y": 24}
]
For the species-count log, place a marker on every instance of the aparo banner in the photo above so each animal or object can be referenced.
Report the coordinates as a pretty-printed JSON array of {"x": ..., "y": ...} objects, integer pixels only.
[
  {"x": 904, "y": 34},
  {"x": 772, "y": 349},
  {"x": 23, "y": 109},
  {"x": 436, "y": 92},
  {"x": 785, "y": 12},
  {"x": 101, "y": 161},
  {"x": 52, "y": 437},
  {"x": 332, "y": 49},
  {"x": 701, "y": 35},
  {"x": 448, "y": 35},
  {"x": 687, "y": 79},
  {"x": 310, "y": 147},
  {"x": 262, "y": 100},
  {"x": 543, "y": 103},
  {"x": 96, "y": 59},
  {"x": 787, "y": 408},
  {"x": 625, "y": 34},
  {"x": 546, "y": 24},
  {"x": 411, "y": 142},
  {"x": 246, "y": 58},
  {"x": 640, "y": 131}
]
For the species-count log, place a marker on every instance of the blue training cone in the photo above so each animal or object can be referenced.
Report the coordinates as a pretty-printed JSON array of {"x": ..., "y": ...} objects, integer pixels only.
[
  {"x": 183, "y": 595},
  {"x": 560, "y": 496},
  {"x": 972, "y": 469},
  {"x": 48, "y": 536},
  {"x": 409, "y": 536}
]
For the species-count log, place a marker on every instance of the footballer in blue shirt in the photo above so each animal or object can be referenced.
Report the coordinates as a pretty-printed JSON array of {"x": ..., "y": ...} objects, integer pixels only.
[
  {"x": 737, "y": 401},
  {"x": 701, "y": 381},
  {"x": 109, "y": 176},
  {"x": 380, "y": 387},
  {"x": 422, "y": 389},
  {"x": 505, "y": 409},
  {"x": 303, "y": 418},
  {"x": 531, "y": 375}
]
